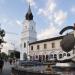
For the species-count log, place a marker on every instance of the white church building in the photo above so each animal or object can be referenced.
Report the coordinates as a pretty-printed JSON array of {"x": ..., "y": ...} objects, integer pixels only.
[{"x": 47, "y": 49}]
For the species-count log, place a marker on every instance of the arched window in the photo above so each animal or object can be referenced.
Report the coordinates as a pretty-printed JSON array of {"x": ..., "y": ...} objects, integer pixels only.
[
  {"x": 68, "y": 54},
  {"x": 51, "y": 56},
  {"x": 24, "y": 45},
  {"x": 36, "y": 56},
  {"x": 64, "y": 54},
  {"x": 55, "y": 56},
  {"x": 60, "y": 55}
]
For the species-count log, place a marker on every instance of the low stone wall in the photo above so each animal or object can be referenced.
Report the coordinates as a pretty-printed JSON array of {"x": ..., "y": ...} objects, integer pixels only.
[{"x": 24, "y": 72}]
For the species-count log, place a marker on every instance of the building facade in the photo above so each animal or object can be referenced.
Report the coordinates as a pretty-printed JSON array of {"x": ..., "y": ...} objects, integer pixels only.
[
  {"x": 47, "y": 49},
  {"x": 28, "y": 34}
]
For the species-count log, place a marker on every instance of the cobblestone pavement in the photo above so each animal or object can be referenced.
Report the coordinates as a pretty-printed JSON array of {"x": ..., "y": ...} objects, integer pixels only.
[{"x": 6, "y": 69}]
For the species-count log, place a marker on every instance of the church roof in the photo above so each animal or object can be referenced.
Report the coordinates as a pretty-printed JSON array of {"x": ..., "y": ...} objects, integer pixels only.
[
  {"x": 46, "y": 40},
  {"x": 29, "y": 15}
]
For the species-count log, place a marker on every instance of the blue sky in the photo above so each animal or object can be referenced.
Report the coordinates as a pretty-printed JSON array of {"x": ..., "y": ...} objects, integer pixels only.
[{"x": 50, "y": 16}]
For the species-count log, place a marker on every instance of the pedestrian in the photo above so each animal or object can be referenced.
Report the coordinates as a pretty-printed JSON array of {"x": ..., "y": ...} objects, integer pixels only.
[{"x": 1, "y": 64}]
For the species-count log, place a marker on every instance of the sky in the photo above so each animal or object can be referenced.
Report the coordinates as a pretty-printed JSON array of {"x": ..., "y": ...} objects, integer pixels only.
[{"x": 50, "y": 16}]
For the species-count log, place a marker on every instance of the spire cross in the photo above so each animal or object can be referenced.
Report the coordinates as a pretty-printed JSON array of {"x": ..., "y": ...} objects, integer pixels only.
[{"x": 29, "y": 7}]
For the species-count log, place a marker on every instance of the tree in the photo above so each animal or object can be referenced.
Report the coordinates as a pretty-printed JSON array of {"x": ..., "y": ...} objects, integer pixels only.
[
  {"x": 25, "y": 56},
  {"x": 4, "y": 56},
  {"x": 11, "y": 55},
  {"x": 15, "y": 54}
]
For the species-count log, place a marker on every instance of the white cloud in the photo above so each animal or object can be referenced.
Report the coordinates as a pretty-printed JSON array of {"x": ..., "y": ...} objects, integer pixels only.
[
  {"x": 10, "y": 26},
  {"x": 42, "y": 12},
  {"x": 72, "y": 9},
  {"x": 49, "y": 32},
  {"x": 55, "y": 16},
  {"x": 48, "y": 9},
  {"x": 18, "y": 22},
  {"x": 50, "y": 6},
  {"x": 32, "y": 2},
  {"x": 60, "y": 17}
]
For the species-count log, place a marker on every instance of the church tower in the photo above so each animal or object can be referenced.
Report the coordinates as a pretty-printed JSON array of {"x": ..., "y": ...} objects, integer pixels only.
[{"x": 28, "y": 34}]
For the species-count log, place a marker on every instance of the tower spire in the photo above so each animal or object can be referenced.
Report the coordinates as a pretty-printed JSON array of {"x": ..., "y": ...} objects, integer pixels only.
[
  {"x": 29, "y": 5},
  {"x": 29, "y": 15}
]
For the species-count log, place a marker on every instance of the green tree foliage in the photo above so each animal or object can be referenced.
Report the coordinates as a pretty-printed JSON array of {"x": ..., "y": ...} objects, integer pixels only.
[
  {"x": 15, "y": 54},
  {"x": 11, "y": 55},
  {"x": 4, "y": 56}
]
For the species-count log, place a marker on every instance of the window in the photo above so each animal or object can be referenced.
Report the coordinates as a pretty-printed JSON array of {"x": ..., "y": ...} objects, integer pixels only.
[
  {"x": 36, "y": 57},
  {"x": 55, "y": 56},
  {"x": 43, "y": 57},
  {"x": 24, "y": 45},
  {"x": 64, "y": 54},
  {"x": 68, "y": 54},
  {"x": 46, "y": 57},
  {"x": 53, "y": 45},
  {"x": 45, "y": 46},
  {"x": 38, "y": 47},
  {"x": 60, "y": 55},
  {"x": 51, "y": 56},
  {"x": 31, "y": 47}
]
